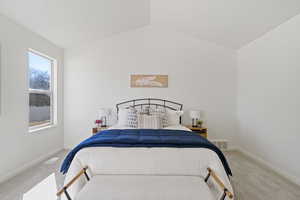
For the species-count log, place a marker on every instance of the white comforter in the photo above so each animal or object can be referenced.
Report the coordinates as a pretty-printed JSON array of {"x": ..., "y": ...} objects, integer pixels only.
[{"x": 118, "y": 167}]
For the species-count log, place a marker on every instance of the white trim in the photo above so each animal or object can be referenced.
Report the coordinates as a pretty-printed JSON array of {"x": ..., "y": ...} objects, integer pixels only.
[
  {"x": 27, "y": 166},
  {"x": 41, "y": 54},
  {"x": 52, "y": 92},
  {"x": 270, "y": 166},
  {"x": 1, "y": 64},
  {"x": 42, "y": 127},
  {"x": 40, "y": 91}
]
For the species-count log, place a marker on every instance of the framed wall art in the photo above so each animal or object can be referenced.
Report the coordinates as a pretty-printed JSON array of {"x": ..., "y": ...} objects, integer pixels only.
[{"x": 148, "y": 81}]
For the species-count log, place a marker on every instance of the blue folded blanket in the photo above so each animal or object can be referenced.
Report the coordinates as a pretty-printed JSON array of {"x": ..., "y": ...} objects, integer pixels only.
[{"x": 145, "y": 138}]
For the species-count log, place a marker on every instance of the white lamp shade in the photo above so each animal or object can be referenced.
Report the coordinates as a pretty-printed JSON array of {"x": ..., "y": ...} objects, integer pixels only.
[
  {"x": 103, "y": 112},
  {"x": 195, "y": 114}
]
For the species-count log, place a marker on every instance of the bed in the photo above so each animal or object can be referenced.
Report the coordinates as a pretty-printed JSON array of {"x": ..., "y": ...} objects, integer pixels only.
[{"x": 146, "y": 164}]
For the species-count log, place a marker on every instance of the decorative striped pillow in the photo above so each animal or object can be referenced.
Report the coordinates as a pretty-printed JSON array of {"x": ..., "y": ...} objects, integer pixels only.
[
  {"x": 145, "y": 110},
  {"x": 149, "y": 121},
  {"x": 162, "y": 114}
]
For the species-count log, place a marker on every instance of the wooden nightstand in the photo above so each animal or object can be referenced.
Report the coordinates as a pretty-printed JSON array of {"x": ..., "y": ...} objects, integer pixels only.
[
  {"x": 201, "y": 131},
  {"x": 96, "y": 129}
]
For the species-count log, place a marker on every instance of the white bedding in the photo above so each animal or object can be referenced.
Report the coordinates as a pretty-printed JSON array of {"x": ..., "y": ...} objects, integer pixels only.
[
  {"x": 177, "y": 127},
  {"x": 174, "y": 127},
  {"x": 118, "y": 166},
  {"x": 134, "y": 187}
]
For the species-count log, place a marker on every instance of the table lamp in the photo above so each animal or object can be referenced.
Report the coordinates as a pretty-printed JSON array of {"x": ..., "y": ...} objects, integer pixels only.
[
  {"x": 103, "y": 114},
  {"x": 195, "y": 115}
]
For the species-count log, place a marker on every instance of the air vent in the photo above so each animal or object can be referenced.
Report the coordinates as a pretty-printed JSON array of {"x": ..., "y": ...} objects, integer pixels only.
[
  {"x": 221, "y": 144},
  {"x": 51, "y": 161}
]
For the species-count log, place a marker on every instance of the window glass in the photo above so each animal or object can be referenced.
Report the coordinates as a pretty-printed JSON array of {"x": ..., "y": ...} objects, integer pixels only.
[
  {"x": 40, "y": 72},
  {"x": 39, "y": 109}
]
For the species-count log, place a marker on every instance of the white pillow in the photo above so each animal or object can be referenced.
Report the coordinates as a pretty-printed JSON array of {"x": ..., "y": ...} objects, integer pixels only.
[
  {"x": 149, "y": 121},
  {"x": 128, "y": 118},
  {"x": 122, "y": 117},
  {"x": 174, "y": 117}
]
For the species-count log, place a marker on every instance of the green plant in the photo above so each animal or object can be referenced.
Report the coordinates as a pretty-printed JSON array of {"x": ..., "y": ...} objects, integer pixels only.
[{"x": 199, "y": 123}]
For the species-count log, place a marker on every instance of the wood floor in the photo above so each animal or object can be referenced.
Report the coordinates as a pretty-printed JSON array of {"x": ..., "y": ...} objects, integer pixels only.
[{"x": 251, "y": 180}]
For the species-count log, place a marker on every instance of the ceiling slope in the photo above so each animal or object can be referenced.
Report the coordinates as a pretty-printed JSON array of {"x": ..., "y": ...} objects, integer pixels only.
[
  {"x": 71, "y": 22},
  {"x": 230, "y": 23}
]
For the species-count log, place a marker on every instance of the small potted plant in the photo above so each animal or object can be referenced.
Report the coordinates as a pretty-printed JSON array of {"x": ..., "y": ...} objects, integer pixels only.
[{"x": 199, "y": 123}]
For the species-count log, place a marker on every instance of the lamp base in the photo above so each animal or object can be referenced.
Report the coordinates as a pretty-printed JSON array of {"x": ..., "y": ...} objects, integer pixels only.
[{"x": 193, "y": 123}]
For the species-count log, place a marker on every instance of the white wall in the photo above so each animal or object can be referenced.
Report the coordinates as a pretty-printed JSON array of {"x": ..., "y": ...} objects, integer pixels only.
[
  {"x": 18, "y": 147},
  {"x": 201, "y": 75},
  {"x": 269, "y": 98}
]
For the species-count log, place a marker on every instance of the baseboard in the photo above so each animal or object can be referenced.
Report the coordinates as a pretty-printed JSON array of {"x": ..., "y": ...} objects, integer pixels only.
[
  {"x": 28, "y": 165},
  {"x": 270, "y": 166}
]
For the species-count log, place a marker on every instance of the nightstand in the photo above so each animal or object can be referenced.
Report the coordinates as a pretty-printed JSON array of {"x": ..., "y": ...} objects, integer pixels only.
[
  {"x": 97, "y": 130},
  {"x": 200, "y": 131}
]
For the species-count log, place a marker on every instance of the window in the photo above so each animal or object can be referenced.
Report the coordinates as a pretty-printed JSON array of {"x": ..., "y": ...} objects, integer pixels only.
[{"x": 41, "y": 90}]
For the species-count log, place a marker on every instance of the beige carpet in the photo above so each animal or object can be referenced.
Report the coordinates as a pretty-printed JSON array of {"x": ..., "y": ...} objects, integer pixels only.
[{"x": 251, "y": 180}]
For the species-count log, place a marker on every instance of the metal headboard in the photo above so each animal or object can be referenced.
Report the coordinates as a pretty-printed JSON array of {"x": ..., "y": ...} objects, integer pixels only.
[{"x": 150, "y": 102}]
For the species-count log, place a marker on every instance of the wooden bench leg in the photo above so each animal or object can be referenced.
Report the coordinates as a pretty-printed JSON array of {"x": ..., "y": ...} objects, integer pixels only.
[
  {"x": 64, "y": 189},
  {"x": 219, "y": 182}
]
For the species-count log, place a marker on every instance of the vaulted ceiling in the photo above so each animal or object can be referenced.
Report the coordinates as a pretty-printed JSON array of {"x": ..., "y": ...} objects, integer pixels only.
[
  {"x": 230, "y": 23},
  {"x": 70, "y": 22}
]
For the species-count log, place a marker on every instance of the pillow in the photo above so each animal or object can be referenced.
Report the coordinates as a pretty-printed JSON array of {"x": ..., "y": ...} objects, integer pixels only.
[
  {"x": 162, "y": 114},
  {"x": 132, "y": 118},
  {"x": 149, "y": 121},
  {"x": 145, "y": 110},
  {"x": 122, "y": 117},
  {"x": 174, "y": 117},
  {"x": 128, "y": 118}
]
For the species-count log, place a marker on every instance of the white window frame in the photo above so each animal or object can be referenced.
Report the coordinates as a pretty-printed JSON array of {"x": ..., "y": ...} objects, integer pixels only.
[{"x": 52, "y": 92}]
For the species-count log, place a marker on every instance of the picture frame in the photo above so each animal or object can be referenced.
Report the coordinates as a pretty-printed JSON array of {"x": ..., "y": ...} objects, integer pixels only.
[{"x": 148, "y": 81}]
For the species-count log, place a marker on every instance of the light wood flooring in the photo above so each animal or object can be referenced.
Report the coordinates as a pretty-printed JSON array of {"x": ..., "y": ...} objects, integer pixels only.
[{"x": 253, "y": 181}]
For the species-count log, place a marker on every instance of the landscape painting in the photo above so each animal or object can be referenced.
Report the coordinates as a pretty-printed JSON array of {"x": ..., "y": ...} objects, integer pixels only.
[{"x": 148, "y": 81}]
